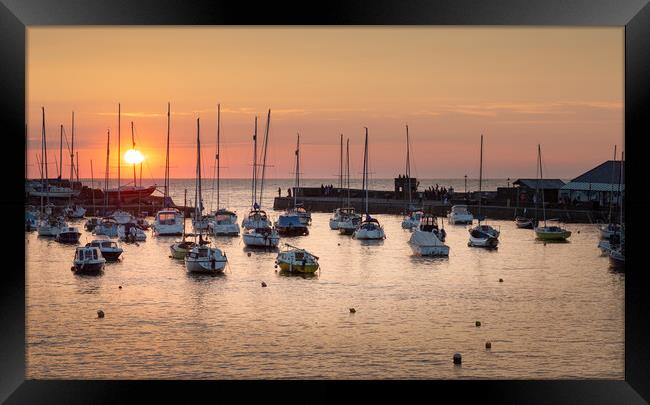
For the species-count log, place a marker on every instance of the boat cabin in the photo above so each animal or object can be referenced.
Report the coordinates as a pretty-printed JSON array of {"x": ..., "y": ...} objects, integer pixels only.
[
  {"x": 87, "y": 253},
  {"x": 428, "y": 223}
]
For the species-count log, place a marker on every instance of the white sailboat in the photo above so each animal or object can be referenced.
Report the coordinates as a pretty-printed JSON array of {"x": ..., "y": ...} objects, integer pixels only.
[
  {"x": 290, "y": 223},
  {"x": 50, "y": 225},
  {"x": 612, "y": 228},
  {"x": 482, "y": 235},
  {"x": 168, "y": 221},
  {"x": 412, "y": 220},
  {"x": 427, "y": 239},
  {"x": 546, "y": 232},
  {"x": 181, "y": 248},
  {"x": 72, "y": 210},
  {"x": 256, "y": 217},
  {"x": 107, "y": 226},
  {"x": 225, "y": 221},
  {"x": 259, "y": 232},
  {"x": 349, "y": 219},
  {"x": 337, "y": 213},
  {"x": 369, "y": 228}
]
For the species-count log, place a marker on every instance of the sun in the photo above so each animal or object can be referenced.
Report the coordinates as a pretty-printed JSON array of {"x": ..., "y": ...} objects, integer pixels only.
[{"x": 133, "y": 156}]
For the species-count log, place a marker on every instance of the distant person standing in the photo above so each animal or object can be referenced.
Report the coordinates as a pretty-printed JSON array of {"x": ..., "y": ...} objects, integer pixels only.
[
  {"x": 279, "y": 192},
  {"x": 289, "y": 192}
]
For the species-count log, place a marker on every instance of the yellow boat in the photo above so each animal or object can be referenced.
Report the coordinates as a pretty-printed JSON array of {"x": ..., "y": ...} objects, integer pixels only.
[
  {"x": 552, "y": 233},
  {"x": 296, "y": 260}
]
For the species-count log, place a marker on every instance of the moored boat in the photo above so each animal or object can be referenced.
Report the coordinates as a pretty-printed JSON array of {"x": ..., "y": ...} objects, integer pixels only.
[
  {"x": 224, "y": 223},
  {"x": 525, "y": 223},
  {"x": 110, "y": 250},
  {"x": 107, "y": 226},
  {"x": 205, "y": 259},
  {"x": 297, "y": 260},
  {"x": 482, "y": 235},
  {"x": 427, "y": 239},
  {"x": 369, "y": 228},
  {"x": 266, "y": 237},
  {"x": 460, "y": 215},
  {"x": 131, "y": 232},
  {"x": 290, "y": 225},
  {"x": 91, "y": 224},
  {"x": 88, "y": 260},
  {"x": 68, "y": 234},
  {"x": 168, "y": 221},
  {"x": 546, "y": 232}
]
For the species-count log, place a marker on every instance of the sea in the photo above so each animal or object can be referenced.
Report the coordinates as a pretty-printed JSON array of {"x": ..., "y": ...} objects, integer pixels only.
[{"x": 550, "y": 311}]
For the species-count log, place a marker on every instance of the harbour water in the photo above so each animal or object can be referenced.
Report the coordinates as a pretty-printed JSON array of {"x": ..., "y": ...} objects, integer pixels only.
[{"x": 558, "y": 314}]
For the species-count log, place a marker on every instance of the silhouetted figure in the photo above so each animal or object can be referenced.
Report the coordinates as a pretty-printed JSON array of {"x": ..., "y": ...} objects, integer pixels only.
[
  {"x": 289, "y": 192},
  {"x": 279, "y": 192}
]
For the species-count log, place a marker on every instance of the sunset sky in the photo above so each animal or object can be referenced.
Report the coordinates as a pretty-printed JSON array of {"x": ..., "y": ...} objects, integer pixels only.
[{"x": 561, "y": 87}]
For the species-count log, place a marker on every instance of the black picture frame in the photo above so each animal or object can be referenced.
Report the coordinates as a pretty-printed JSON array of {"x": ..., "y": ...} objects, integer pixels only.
[{"x": 634, "y": 15}]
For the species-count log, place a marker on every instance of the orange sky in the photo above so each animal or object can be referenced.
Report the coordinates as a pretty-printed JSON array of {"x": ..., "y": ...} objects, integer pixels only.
[{"x": 561, "y": 87}]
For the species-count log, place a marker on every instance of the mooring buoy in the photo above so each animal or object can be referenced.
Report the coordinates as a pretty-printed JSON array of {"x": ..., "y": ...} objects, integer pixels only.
[
  {"x": 457, "y": 358},
  {"x": 352, "y": 310},
  {"x": 100, "y": 314},
  {"x": 488, "y": 345},
  {"x": 263, "y": 284},
  {"x": 501, "y": 280},
  {"x": 478, "y": 323},
  {"x": 249, "y": 254},
  {"x": 120, "y": 287}
]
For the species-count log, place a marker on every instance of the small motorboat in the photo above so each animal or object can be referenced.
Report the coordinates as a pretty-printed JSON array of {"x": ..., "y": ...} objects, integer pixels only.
[
  {"x": 481, "y": 236},
  {"x": 303, "y": 214},
  {"x": 51, "y": 226},
  {"x": 296, "y": 260},
  {"x": 205, "y": 259},
  {"x": 412, "y": 220},
  {"x": 91, "y": 224},
  {"x": 74, "y": 212},
  {"x": 460, "y": 215},
  {"x": 525, "y": 223},
  {"x": 289, "y": 224},
  {"x": 349, "y": 223},
  {"x": 551, "y": 233},
  {"x": 131, "y": 232},
  {"x": 369, "y": 229},
  {"x": 107, "y": 226},
  {"x": 266, "y": 237},
  {"x": 224, "y": 223},
  {"x": 88, "y": 260},
  {"x": 168, "y": 221},
  {"x": 69, "y": 234},
  {"x": 181, "y": 248},
  {"x": 122, "y": 217},
  {"x": 613, "y": 242},
  {"x": 110, "y": 250},
  {"x": 607, "y": 230},
  {"x": 428, "y": 238}
]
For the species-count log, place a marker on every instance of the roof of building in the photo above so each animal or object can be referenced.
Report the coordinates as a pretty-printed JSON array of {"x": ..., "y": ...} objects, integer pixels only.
[
  {"x": 582, "y": 186},
  {"x": 607, "y": 172},
  {"x": 546, "y": 184}
]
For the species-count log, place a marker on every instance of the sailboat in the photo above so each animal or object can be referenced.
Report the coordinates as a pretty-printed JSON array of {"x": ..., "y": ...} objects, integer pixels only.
[
  {"x": 168, "y": 221},
  {"x": 369, "y": 228},
  {"x": 202, "y": 258},
  {"x": 72, "y": 210},
  {"x": 614, "y": 246},
  {"x": 225, "y": 221},
  {"x": 550, "y": 233},
  {"x": 427, "y": 239},
  {"x": 182, "y": 247},
  {"x": 108, "y": 225},
  {"x": 57, "y": 190},
  {"x": 337, "y": 214},
  {"x": 524, "y": 222},
  {"x": 482, "y": 235},
  {"x": 256, "y": 217},
  {"x": 611, "y": 228},
  {"x": 258, "y": 232},
  {"x": 349, "y": 219},
  {"x": 415, "y": 215},
  {"x": 50, "y": 224},
  {"x": 199, "y": 221},
  {"x": 289, "y": 223}
]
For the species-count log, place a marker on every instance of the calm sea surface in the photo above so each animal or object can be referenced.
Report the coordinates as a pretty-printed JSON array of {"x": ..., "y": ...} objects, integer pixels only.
[{"x": 558, "y": 314}]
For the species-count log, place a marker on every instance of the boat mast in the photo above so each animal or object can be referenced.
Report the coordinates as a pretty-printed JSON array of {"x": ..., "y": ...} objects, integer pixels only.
[
  {"x": 347, "y": 167},
  {"x": 118, "y": 153},
  {"x": 254, "y": 182},
  {"x": 611, "y": 194},
  {"x": 60, "y": 171},
  {"x": 341, "y": 171},
  {"x": 47, "y": 183},
  {"x": 480, "y": 180},
  {"x": 133, "y": 147},
  {"x": 295, "y": 192},
  {"x": 365, "y": 172},
  {"x": 218, "y": 157},
  {"x": 266, "y": 143},
  {"x": 43, "y": 184},
  {"x": 198, "y": 204},
  {"x": 620, "y": 193},
  {"x": 92, "y": 185},
  {"x": 408, "y": 163},
  {"x": 166, "y": 162},
  {"x": 108, "y": 170},
  {"x": 77, "y": 169},
  {"x": 541, "y": 176},
  {"x": 72, "y": 154},
  {"x": 184, "y": 207}
]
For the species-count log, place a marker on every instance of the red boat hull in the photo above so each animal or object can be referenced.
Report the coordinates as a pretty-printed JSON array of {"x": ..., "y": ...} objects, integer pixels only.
[{"x": 130, "y": 195}]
